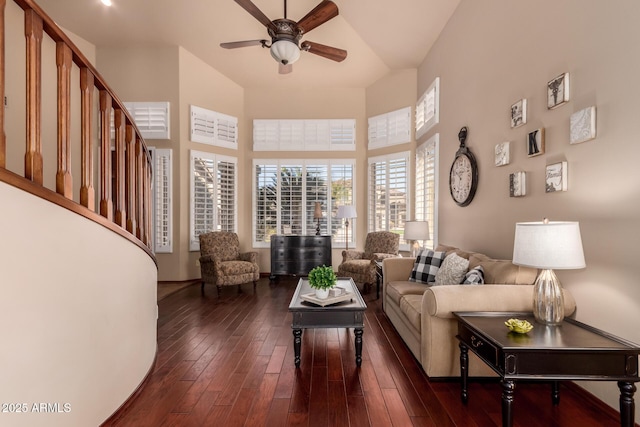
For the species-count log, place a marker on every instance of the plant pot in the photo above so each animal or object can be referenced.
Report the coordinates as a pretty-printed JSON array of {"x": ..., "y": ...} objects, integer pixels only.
[{"x": 322, "y": 293}]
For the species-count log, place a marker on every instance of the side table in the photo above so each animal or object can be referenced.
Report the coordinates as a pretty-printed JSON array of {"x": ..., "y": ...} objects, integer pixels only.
[
  {"x": 378, "y": 278},
  {"x": 570, "y": 351}
]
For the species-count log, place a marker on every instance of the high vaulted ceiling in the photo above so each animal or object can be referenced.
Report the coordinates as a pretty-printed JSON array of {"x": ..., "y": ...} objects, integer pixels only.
[{"x": 379, "y": 35}]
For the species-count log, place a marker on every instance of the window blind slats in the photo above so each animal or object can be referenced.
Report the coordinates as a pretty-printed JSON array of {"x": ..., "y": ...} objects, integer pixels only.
[
  {"x": 301, "y": 135},
  {"x": 163, "y": 200}
]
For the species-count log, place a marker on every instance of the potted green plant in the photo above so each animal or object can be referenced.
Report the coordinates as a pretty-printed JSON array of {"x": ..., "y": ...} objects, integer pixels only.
[{"x": 322, "y": 279}]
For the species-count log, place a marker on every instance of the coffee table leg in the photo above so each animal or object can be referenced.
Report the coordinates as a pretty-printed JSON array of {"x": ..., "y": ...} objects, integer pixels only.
[
  {"x": 464, "y": 371},
  {"x": 627, "y": 406},
  {"x": 297, "y": 340},
  {"x": 508, "y": 388},
  {"x": 358, "y": 332}
]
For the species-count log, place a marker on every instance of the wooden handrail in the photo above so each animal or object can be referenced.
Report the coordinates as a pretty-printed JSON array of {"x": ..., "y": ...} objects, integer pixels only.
[{"x": 124, "y": 186}]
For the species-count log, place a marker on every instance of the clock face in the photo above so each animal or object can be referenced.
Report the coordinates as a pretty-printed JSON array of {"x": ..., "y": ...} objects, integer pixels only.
[{"x": 461, "y": 179}]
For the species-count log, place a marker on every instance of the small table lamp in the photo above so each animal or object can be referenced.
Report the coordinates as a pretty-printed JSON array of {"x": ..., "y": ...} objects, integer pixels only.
[
  {"x": 317, "y": 214},
  {"x": 416, "y": 230},
  {"x": 346, "y": 212},
  {"x": 547, "y": 246}
]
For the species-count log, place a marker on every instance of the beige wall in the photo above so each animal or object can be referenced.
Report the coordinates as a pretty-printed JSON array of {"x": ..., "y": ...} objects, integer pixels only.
[
  {"x": 493, "y": 53},
  {"x": 80, "y": 317}
]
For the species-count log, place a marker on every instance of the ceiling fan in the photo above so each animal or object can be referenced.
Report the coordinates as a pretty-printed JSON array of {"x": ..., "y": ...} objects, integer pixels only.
[{"x": 285, "y": 34}]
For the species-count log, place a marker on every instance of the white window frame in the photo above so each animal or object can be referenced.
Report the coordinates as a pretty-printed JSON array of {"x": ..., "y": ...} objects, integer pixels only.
[
  {"x": 304, "y": 135},
  {"x": 151, "y": 118},
  {"x": 194, "y": 242},
  {"x": 428, "y": 109},
  {"x": 213, "y": 128},
  {"x": 330, "y": 206},
  {"x": 390, "y": 128},
  {"x": 372, "y": 208},
  {"x": 162, "y": 178},
  {"x": 427, "y": 156}
]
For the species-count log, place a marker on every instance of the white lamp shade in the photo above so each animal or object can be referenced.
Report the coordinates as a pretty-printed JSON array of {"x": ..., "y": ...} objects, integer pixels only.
[
  {"x": 548, "y": 245},
  {"x": 348, "y": 211},
  {"x": 416, "y": 230},
  {"x": 285, "y": 52}
]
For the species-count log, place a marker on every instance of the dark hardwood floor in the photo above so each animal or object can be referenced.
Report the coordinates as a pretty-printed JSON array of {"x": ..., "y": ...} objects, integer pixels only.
[{"x": 228, "y": 361}]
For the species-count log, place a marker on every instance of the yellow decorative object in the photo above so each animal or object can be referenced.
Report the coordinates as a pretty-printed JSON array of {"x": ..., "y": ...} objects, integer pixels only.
[{"x": 518, "y": 326}]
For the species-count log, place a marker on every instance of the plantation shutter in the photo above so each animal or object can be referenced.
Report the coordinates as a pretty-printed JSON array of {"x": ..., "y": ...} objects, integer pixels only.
[{"x": 162, "y": 182}]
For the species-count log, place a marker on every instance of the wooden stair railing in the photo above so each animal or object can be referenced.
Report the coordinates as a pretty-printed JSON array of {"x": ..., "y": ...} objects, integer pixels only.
[{"x": 125, "y": 187}]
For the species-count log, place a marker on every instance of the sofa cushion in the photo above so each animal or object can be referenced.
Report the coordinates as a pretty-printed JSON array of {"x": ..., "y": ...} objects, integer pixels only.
[
  {"x": 426, "y": 266},
  {"x": 452, "y": 270},
  {"x": 475, "y": 276},
  {"x": 396, "y": 290},
  {"x": 411, "y": 307},
  {"x": 500, "y": 271}
]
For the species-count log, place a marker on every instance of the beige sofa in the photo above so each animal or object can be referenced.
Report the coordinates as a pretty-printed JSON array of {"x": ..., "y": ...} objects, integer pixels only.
[{"x": 422, "y": 314}]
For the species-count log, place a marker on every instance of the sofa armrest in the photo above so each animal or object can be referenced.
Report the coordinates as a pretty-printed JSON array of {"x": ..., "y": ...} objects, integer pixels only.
[
  {"x": 442, "y": 301},
  {"x": 396, "y": 269}
]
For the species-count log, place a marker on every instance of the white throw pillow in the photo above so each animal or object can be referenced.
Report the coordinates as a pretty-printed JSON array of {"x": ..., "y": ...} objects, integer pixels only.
[{"x": 452, "y": 270}]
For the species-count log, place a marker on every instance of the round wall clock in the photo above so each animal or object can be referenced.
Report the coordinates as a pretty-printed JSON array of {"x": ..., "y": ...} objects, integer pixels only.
[{"x": 463, "y": 177}]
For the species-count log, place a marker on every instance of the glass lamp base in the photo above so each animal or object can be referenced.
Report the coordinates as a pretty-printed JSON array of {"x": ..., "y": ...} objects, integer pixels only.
[{"x": 548, "y": 301}]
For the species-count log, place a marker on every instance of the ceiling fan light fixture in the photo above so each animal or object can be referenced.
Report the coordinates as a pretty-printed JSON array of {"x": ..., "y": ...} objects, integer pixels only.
[{"x": 285, "y": 51}]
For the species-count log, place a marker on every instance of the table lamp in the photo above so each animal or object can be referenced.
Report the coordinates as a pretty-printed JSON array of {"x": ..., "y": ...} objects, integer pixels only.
[
  {"x": 416, "y": 230},
  {"x": 317, "y": 215},
  {"x": 548, "y": 245},
  {"x": 346, "y": 212}
]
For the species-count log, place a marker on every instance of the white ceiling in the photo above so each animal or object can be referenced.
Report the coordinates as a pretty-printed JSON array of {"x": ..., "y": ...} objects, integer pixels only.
[{"x": 379, "y": 35}]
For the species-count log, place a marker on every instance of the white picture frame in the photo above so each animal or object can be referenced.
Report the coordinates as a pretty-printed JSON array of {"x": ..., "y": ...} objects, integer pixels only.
[
  {"x": 556, "y": 177},
  {"x": 519, "y": 113},
  {"x": 535, "y": 142},
  {"x": 518, "y": 184},
  {"x": 558, "y": 91},
  {"x": 582, "y": 126},
  {"x": 502, "y": 154}
]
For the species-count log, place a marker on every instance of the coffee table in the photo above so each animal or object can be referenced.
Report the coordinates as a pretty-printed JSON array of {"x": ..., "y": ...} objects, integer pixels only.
[
  {"x": 570, "y": 351},
  {"x": 346, "y": 314}
]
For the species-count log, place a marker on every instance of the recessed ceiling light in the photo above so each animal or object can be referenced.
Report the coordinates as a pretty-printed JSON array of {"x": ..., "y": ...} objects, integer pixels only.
[{"x": 106, "y": 2}]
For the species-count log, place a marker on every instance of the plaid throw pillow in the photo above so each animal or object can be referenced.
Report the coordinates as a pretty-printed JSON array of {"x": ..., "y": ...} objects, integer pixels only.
[
  {"x": 475, "y": 276},
  {"x": 426, "y": 266}
]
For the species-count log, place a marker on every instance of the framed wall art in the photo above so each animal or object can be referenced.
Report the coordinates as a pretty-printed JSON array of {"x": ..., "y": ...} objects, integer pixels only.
[
  {"x": 519, "y": 113},
  {"x": 502, "y": 154},
  {"x": 558, "y": 91},
  {"x": 583, "y": 125},
  {"x": 556, "y": 177},
  {"x": 518, "y": 184},
  {"x": 535, "y": 142}
]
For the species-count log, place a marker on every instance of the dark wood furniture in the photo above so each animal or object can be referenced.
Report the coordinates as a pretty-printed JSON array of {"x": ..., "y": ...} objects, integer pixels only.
[
  {"x": 347, "y": 314},
  {"x": 570, "y": 351},
  {"x": 379, "y": 278},
  {"x": 298, "y": 254}
]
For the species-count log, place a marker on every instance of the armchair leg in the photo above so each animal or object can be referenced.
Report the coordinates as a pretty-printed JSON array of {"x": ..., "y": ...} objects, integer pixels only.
[
  {"x": 219, "y": 290},
  {"x": 202, "y": 288},
  {"x": 254, "y": 285}
]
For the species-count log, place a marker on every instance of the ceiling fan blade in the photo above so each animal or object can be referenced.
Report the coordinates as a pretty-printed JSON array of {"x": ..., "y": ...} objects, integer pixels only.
[
  {"x": 285, "y": 69},
  {"x": 245, "y": 43},
  {"x": 256, "y": 13},
  {"x": 328, "y": 52},
  {"x": 318, "y": 16}
]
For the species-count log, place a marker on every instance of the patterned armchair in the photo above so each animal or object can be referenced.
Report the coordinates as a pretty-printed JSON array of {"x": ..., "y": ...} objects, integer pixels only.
[
  {"x": 222, "y": 264},
  {"x": 360, "y": 265}
]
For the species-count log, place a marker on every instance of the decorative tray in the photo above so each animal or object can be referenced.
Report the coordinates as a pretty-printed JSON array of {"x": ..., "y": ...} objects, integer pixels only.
[{"x": 327, "y": 301}]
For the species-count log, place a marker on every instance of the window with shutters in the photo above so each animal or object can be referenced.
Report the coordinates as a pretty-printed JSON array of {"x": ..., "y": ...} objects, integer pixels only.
[
  {"x": 213, "y": 128},
  {"x": 304, "y": 135},
  {"x": 285, "y": 193},
  {"x": 162, "y": 199},
  {"x": 390, "y": 128},
  {"x": 428, "y": 109},
  {"x": 427, "y": 187},
  {"x": 213, "y": 195},
  {"x": 151, "y": 118},
  {"x": 388, "y": 201}
]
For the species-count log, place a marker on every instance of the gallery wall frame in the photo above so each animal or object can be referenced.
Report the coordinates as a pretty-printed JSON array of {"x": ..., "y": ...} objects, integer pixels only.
[
  {"x": 519, "y": 113},
  {"x": 582, "y": 126},
  {"x": 502, "y": 153},
  {"x": 558, "y": 91},
  {"x": 535, "y": 142}
]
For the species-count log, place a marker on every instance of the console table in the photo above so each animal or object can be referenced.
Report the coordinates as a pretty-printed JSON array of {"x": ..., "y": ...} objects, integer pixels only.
[
  {"x": 298, "y": 254},
  {"x": 570, "y": 351}
]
